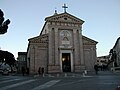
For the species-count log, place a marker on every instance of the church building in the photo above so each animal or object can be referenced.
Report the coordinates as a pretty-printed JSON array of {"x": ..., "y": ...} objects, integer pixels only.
[{"x": 61, "y": 47}]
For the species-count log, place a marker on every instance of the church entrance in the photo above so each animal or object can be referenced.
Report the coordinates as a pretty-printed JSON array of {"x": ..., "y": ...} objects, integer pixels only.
[{"x": 66, "y": 62}]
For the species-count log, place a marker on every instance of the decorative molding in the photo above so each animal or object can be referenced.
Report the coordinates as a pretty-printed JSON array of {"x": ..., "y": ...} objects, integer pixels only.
[
  {"x": 64, "y": 17},
  {"x": 61, "y": 23},
  {"x": 88, "y": 41},
  {"x": 39, "y": 39}
]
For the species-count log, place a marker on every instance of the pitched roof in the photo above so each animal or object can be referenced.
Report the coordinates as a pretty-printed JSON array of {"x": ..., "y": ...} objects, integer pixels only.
[
  {"x": 41, "y": 38},
  {"x": 116, "y": 42},
  {"x": 57, "y": 17},
  {"x": 87, "y": 40}
]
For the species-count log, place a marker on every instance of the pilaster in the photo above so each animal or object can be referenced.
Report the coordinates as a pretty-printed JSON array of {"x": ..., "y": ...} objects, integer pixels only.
[
  {"x": 81, "y": 48},
  {"x": 32, "y": 61},
  {"x": 56, "y": 47},
  {"x": 51, "y": 60},
  {"x": 76, "y": 47}
]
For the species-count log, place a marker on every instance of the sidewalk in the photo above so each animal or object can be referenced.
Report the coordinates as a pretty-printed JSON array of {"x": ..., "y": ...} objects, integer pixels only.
[{"x": 70, "y": 74}]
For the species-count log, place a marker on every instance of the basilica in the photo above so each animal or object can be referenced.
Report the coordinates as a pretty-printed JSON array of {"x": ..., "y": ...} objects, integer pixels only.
[{"x": 61, "y": 47}]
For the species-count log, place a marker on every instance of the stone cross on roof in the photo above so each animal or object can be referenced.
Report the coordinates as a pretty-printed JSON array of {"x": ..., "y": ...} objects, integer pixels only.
[{"x": 64, "y": 7}]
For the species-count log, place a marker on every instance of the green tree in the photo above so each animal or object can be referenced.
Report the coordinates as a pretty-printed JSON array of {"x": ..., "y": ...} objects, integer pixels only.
[
  {"x": 7, "y": 57},
  {"x": 3, "y": 24}
]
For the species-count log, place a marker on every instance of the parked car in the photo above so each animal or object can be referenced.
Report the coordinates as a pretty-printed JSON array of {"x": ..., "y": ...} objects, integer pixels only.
[
  {"x": 5, "y": 72},
  {"x": 5, "y": 69},
  {"x": 1, "y": 70},
  {"x": 14, "y": 69}
]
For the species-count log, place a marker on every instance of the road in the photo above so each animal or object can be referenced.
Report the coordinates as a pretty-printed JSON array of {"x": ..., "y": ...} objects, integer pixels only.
[{"x": 102, "y": 81}]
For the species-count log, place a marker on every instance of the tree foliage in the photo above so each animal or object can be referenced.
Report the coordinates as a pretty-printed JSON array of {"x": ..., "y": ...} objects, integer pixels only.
[
  {"x": 3, "y": 24},
  {"x": 7, "y": 57}
]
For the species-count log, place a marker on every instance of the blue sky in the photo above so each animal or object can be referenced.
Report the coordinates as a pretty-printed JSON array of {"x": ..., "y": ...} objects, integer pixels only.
[{"x": 102, "y": 21}]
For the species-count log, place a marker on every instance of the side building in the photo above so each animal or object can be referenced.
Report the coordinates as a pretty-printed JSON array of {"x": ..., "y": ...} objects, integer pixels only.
[
  {"x": 102, "y": 60},
  {"x": 21, "y": 61},
  {"x": 116, "y": 48}
]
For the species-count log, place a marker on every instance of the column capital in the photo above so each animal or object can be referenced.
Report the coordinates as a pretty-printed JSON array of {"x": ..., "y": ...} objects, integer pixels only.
[{"x": 74, "y": 30}]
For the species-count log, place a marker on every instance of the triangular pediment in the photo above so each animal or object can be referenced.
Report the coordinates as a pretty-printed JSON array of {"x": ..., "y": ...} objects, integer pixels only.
[
  {"x": 88, "y": 41},
  {"x": 38, "y": 39},
  {"x": 64, "y": 17}
]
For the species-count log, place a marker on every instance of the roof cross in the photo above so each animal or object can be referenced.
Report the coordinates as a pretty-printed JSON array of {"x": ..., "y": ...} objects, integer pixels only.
[{"x": 64, "y": 7}]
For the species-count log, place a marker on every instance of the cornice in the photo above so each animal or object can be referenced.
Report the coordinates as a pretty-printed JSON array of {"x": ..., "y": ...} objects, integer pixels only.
[
  {"x": 58, "y": 17},
  {"x": 88, "y": 41},
  {"x": 39, "y": 39}
]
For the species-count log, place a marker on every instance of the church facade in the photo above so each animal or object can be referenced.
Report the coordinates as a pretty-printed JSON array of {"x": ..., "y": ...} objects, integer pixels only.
[{"x": 61, "y": 47}]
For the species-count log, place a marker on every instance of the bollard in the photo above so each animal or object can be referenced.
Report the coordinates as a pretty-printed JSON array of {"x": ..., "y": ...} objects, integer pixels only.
[
  {"x": 43, "y": 75},
  {"x": 65, "y": 74},
  {"x": 58, "y": 75},
  {"x": 85, "y": 71},
  {"x": 83, "y": 74}
]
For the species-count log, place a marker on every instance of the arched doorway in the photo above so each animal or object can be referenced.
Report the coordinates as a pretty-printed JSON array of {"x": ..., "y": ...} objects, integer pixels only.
[{"x": 66, "y": 62}]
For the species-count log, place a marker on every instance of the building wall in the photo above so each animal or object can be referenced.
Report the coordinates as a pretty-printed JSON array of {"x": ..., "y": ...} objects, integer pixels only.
[
  {"x": 22, "y": 61},
  {"x": 117, "y": 49},
  {"x": 49, "y": 55},
  {"x": 89, "y": 56},
  {"x": 56, "y": 43},
  {"x": 37, "y": 55}
]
